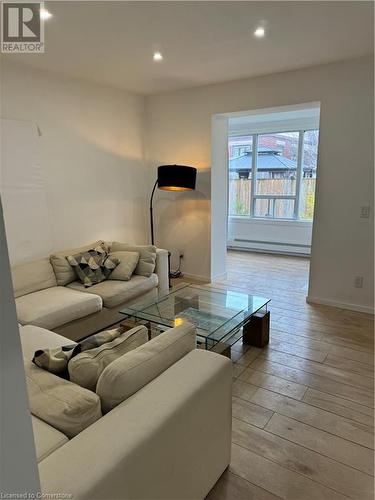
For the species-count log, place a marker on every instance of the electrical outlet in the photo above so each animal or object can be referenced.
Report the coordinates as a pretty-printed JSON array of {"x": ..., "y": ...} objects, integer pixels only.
[
  {"x": 365, "y": 212},
  {"x": 358, "y": 282},
  {"x": 181, "y": 255}
]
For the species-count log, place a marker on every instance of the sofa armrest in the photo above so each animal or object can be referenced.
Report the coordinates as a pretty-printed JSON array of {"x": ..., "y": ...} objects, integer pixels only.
[
  {"x": 170, "y": 440},
  {"x": 162, "y": 270}
]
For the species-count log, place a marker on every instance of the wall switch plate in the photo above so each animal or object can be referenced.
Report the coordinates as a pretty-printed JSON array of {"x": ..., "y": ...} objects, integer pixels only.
[
  {"x": 358, "y": 282},
  {"x": 365, "y": 212}
]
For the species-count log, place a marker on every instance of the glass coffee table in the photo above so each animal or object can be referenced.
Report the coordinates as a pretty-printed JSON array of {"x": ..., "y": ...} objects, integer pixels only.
[{"x": 221, "y": 317}]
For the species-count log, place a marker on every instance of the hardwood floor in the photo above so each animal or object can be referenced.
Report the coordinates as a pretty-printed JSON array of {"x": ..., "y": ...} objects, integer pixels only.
[{"x": 302, "y": 407}]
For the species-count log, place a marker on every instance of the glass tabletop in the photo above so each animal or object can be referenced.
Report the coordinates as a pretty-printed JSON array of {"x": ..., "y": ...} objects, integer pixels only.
[{"x": 215, "y": 313}]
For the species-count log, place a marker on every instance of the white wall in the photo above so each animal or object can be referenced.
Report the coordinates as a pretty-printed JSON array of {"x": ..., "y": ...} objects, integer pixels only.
[
  {"x": 179, "y": 129},
  {"x": 97, "y": 184},
  {"x": 91, "y": 154}
]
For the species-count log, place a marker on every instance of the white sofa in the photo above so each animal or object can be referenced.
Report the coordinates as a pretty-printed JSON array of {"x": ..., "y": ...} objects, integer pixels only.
[
  {"x": 40, "y": 301},
  {"x": 169, "y": 440}
]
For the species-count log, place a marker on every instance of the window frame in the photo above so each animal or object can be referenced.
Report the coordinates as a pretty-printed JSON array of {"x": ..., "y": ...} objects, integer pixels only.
[{"x": 254, "y": 196}]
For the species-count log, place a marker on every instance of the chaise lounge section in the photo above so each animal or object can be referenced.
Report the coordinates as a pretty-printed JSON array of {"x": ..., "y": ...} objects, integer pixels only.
[{"x": 170, "y": 440}]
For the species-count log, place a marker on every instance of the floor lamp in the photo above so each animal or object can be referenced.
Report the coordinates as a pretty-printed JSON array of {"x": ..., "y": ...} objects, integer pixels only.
[{"x": 172, "y": 178}]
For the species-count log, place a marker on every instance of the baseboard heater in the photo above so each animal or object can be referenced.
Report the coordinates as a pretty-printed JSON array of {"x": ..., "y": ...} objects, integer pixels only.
[
  {"x": 271, "y": 247},
  {"x": 279, "y": 243}
]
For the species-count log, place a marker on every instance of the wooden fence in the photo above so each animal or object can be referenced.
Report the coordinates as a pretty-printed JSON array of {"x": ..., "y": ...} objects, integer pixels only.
[{"x": 240, "y": 194}]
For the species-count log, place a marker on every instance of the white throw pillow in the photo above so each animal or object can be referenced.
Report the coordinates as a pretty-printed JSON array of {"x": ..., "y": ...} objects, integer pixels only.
[
  {"x": 147, "y": 256},
  {"x": 85, "y": 368},
  {"x": 132, "y": 371},
  {"x": 128, "y": 263},
  {"x": 68, "y": 407}
]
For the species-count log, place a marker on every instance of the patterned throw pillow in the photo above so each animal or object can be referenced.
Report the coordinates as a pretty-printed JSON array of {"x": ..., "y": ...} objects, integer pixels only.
[
  {"x": 85, "y": 368},
  {"x": 56, "y": 360},
  {"x": 93, "y": 266}
]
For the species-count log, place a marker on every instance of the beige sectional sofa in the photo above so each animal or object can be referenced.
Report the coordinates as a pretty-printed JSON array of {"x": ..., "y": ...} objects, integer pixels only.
[
  {"x": 49, "y": 296},
  {"x": 169, "y": 440},
  {"x": 162, "y": 432}
]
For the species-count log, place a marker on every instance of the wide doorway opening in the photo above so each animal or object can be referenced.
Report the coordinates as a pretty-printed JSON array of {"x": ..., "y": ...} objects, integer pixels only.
[{"x": 272, "y": 172}]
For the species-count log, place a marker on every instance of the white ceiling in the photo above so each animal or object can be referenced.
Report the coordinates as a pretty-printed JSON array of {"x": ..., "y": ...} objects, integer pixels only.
[{"x": 202, "y": 42}]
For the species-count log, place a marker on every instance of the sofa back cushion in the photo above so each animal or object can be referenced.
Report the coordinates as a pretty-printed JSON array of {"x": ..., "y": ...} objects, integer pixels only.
[
  {"x": 86, "y": 367},
  {"x": 32, "y": 277},
  {"x": 68, "y": 407},
  {"x": 63, "y": 270},
  {"x": 147, "y": 256},
  {"x": 132, "y": 371}
]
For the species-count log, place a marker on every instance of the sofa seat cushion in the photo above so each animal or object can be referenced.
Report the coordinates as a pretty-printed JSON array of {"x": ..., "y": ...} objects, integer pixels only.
[
  {"x": 34, "y": 338},
  {"x": 55, "y": 306},
  {"x": 47, "y": 439},
  {"x": 114, "y": 292}
]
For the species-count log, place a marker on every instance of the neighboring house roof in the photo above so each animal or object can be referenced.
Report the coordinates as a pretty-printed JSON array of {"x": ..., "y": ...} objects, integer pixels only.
[{"x": 268, "y": 161}]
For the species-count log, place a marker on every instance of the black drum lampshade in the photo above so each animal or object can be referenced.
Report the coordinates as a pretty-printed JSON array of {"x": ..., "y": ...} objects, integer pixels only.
[
  {"x": 172, "y": 178},
  {"x": 176, "y": 177}
]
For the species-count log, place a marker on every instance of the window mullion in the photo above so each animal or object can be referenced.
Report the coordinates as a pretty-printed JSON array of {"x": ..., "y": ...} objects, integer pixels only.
[
  {"x": 299, "y": 174},
  {"x": 253, "y": 175}
]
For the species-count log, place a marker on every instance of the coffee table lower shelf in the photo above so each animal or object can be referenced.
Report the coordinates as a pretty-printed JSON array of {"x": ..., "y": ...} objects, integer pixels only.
[{"x": 254, "y": 333}]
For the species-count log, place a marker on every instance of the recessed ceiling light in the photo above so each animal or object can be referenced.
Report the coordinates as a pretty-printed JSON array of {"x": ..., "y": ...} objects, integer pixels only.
[
  {"x": 44, "y": 14},
  {"x": 260, "y": 32},
  {"x": 157, "y": 56}
]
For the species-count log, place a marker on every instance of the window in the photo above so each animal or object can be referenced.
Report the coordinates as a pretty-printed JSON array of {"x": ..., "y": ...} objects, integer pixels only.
[{"x": 283, "y": 167}]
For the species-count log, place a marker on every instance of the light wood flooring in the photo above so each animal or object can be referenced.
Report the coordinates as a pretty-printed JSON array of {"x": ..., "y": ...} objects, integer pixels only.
[{"x": 303, "y": 424}]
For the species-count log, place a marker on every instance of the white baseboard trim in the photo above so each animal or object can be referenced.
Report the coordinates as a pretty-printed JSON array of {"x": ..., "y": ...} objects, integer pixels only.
[
  {"x": 340, "y": 305},
  {"x": 222, "y": 276},
  {"x": 197, "y": 277},
  {"x": 205, "y": 279}
]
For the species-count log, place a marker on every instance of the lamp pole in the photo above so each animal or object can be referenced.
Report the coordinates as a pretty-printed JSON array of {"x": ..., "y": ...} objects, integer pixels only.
[
  {"x": 152, "y": 232},
  {"x": 171, "y": 178},
  {"x": 152, "y": 213}
]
